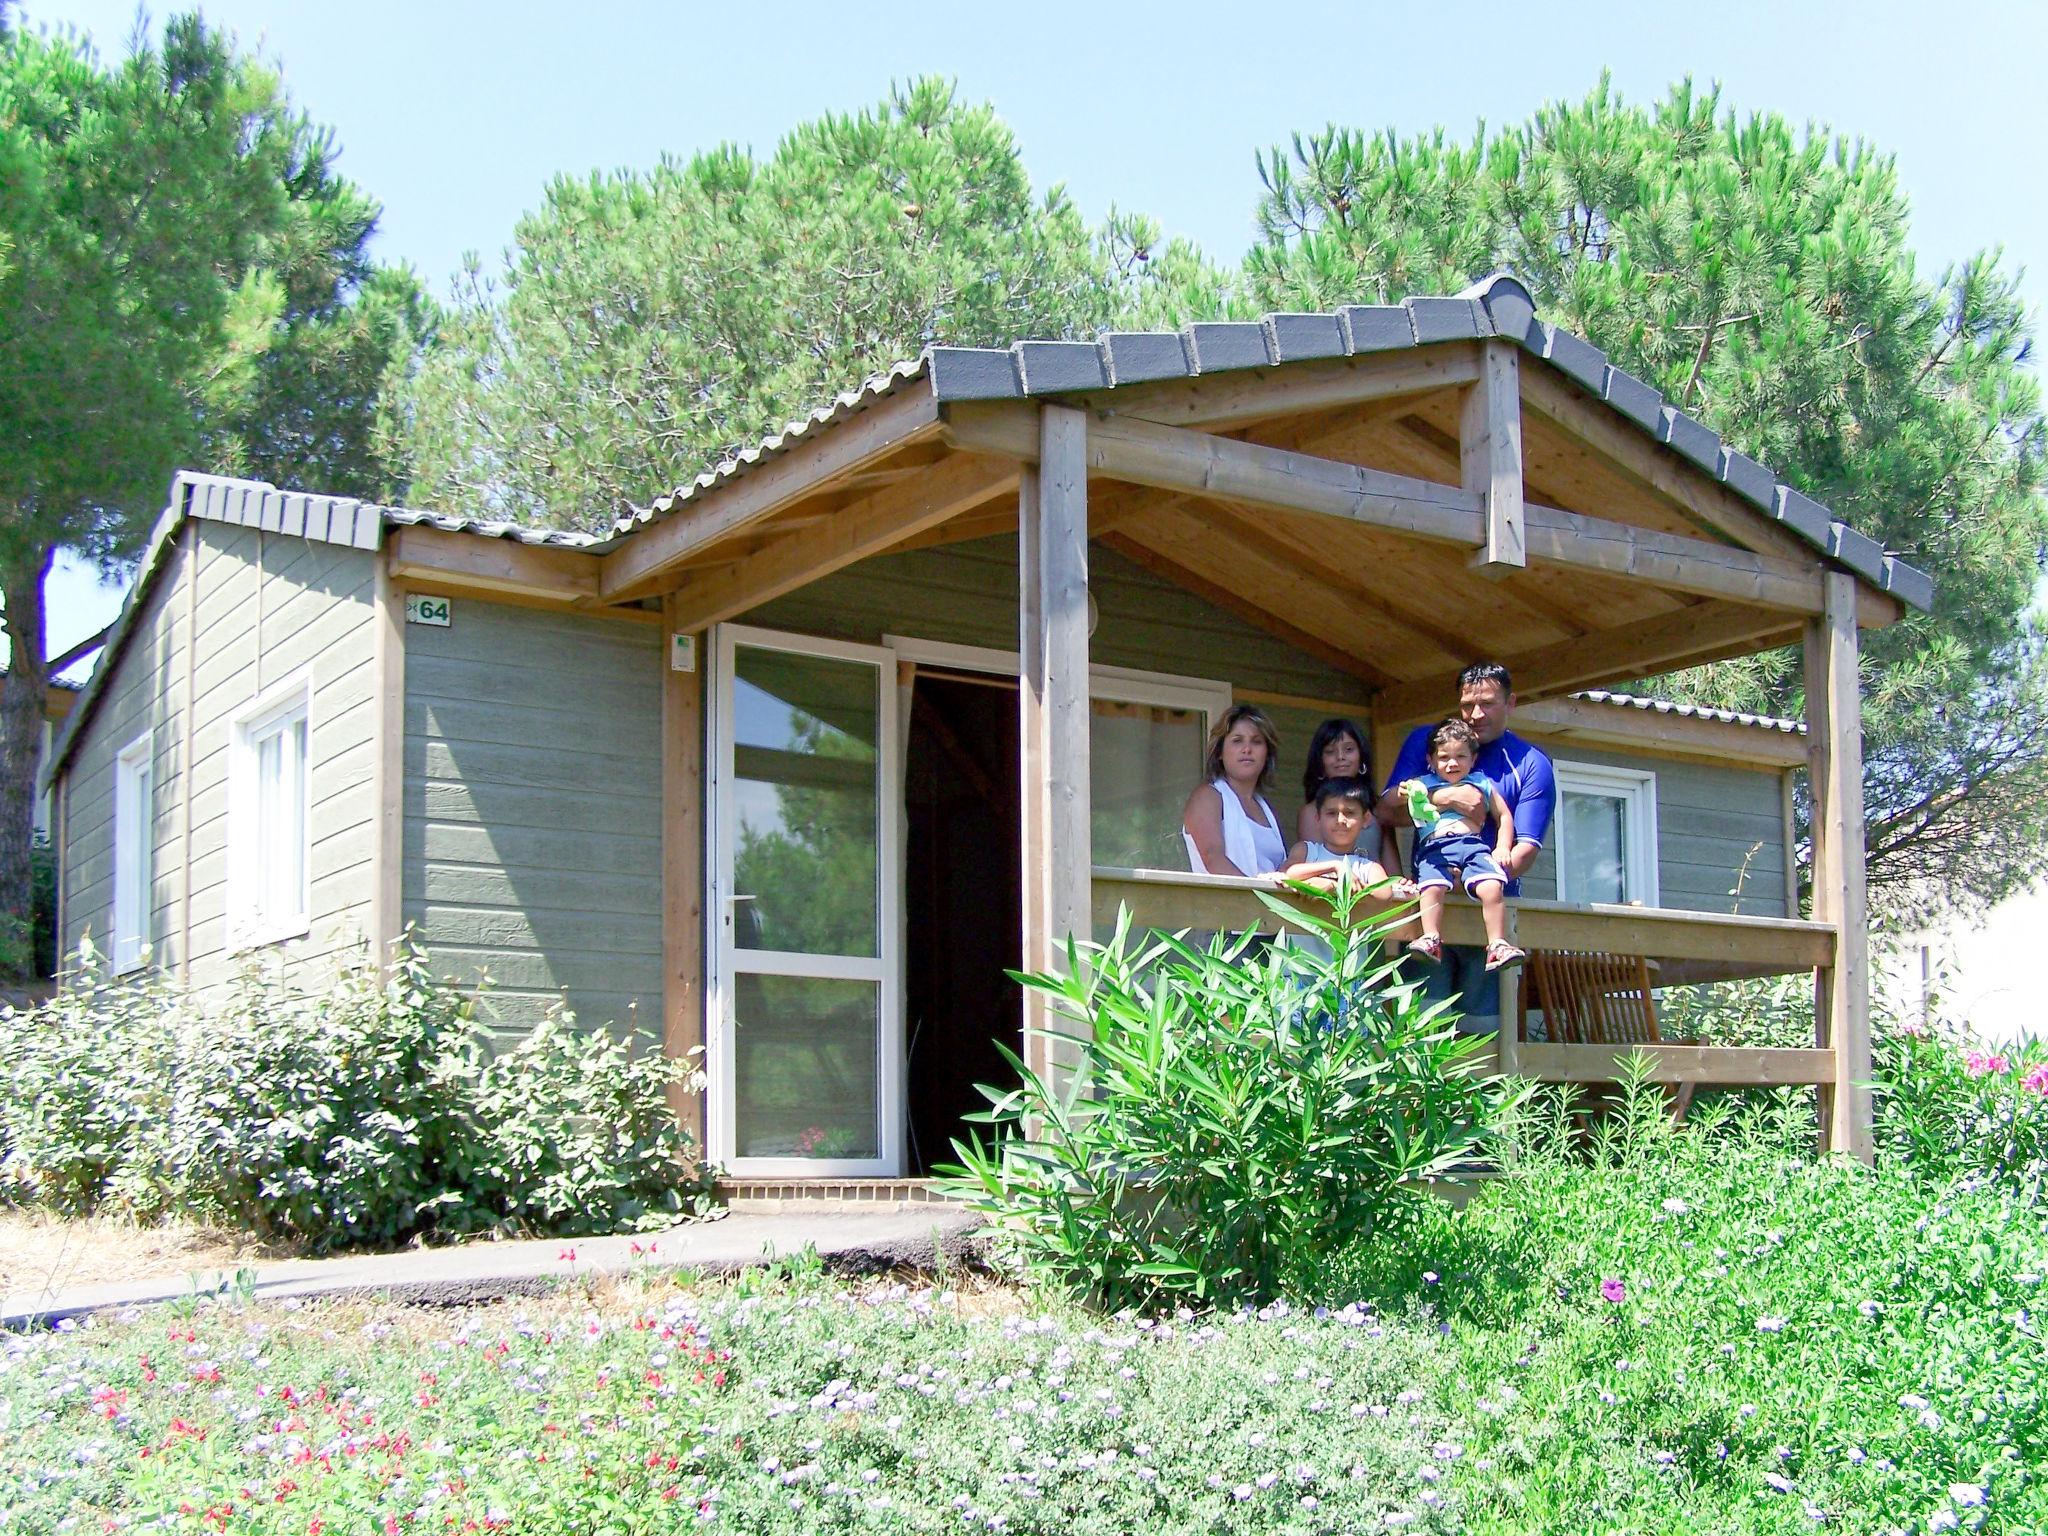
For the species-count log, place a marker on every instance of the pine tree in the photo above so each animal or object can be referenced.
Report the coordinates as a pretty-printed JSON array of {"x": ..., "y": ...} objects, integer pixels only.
[
  {"x": 650, "y": 322},
  {"x": 1762, "y": 278},
  {"x": 181, "y": 281}
]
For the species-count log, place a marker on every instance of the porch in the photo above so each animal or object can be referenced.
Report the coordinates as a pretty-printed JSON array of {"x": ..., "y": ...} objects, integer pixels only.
[{"x": 1682, "y": 948}]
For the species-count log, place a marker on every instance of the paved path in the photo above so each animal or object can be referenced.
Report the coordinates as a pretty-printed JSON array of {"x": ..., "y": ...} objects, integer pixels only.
[{"x": 479, "y": 1271}]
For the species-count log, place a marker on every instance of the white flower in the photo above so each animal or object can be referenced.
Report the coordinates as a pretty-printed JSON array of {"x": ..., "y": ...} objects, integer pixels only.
[
  {"x": 1770, "y": 1325},
  {"x": 1912, "y": 1400},
  {"x": 1943, "y": 1520},
  {"x": 1676, "y": 1206},
  {"x": 1966, "y": 1494},
  {"x": 1778, "y": 1483}
]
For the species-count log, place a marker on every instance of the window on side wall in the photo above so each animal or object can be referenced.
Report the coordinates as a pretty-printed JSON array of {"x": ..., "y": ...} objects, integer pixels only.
[
  {"x": 1604, "y": 836},
  {"x": 134, "y": 850},
  {"x": 268, "y": 821}
]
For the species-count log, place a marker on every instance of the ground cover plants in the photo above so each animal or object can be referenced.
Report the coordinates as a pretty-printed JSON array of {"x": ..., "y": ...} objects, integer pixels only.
[
  {"x": 346, "y": 1111},
  {"x": 1690, "y": 1332}
]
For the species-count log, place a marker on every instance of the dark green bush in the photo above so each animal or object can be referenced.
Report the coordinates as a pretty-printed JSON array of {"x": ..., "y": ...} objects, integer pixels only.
[
  {"x": 368, "y": 1111},
  {"x": 1233, "y": 1113}
]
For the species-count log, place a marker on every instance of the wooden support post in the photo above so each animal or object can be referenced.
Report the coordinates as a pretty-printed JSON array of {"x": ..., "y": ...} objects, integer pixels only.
[
  {"x": 1052, "y": 551},
  {"x": 682, "y": 871},
  {"x": 1508, "y": 1045},
  {"x": 1490, "y": 450},
  {"x": 1834, "y": 731},
  {"x": 387, "y": 868}
]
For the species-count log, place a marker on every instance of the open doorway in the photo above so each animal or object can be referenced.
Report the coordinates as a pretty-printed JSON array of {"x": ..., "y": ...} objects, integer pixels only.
[{"x": 962, "y": 903}]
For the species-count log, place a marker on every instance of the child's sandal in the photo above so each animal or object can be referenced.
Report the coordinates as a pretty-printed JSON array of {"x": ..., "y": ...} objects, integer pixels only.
[
  {"x": 1501, "y": 955},
  {"x": 1429, "y": 946}
]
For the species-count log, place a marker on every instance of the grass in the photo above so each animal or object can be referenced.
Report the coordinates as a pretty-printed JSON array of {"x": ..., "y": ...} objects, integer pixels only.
[
  {"x": 1795, "y": 1348},
  {"x": 41, "y": 1251}
]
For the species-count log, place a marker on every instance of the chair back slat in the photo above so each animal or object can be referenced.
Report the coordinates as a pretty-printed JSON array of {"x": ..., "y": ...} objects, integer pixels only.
[{"x": 1591, "y": 997}]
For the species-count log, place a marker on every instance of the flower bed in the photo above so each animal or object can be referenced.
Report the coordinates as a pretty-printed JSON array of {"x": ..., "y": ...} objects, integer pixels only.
[{"x": 1692, "y": 1339}]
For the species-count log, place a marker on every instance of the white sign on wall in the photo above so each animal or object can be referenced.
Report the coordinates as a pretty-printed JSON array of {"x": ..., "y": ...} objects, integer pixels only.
[
  {"x": 682, "y": 653},
  {"x": 424, "y": 608}
]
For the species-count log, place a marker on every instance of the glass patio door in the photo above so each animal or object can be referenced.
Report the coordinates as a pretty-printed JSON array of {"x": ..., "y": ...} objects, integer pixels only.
[{"x": 806, "y": 1062}]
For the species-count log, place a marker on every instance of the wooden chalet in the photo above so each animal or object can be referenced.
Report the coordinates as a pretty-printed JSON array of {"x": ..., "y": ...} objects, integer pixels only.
[{"x": 810, "y": 749}]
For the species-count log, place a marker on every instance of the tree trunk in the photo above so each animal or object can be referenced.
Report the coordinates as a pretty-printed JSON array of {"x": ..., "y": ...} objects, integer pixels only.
[{"x": 22, "y": 571}]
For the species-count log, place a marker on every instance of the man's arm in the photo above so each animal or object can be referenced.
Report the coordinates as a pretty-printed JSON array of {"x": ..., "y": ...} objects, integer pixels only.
[{"x": 1535, "y": 803}]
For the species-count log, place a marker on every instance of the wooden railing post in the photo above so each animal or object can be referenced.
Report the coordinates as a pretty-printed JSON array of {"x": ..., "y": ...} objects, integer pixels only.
[
  {"x": 1834, "y": 734},
  {"x": 1052, "y": 551}
]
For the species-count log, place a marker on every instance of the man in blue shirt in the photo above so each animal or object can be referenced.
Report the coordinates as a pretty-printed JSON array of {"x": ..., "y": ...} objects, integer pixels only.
[{"x": 1486, "y": 697}]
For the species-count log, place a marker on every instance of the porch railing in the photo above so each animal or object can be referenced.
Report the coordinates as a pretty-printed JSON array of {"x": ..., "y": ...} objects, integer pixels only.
[{"x": 1685, "y": 947}]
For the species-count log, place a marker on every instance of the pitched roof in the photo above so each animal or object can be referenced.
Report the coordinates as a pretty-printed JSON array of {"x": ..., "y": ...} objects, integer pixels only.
[{"x": 1497, "y": 306}]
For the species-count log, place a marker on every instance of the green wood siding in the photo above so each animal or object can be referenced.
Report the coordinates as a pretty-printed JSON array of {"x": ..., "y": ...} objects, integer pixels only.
[{"x": 533, "y": 809}]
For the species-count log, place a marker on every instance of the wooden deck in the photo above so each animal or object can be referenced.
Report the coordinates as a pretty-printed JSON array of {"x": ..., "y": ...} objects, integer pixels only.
[{"x": 1687, "y": 947}]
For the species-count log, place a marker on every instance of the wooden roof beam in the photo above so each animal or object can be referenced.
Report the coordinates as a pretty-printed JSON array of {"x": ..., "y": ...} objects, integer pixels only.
[
  {"x": 869, "y": 526},
  {"x": 472, "y": 562},
  {"x": 648, "y": 561},
  {"x": 1239, "y": 396},
  {"x": 1174, "y": 458},
  {"x": 1704, "y": 631}
]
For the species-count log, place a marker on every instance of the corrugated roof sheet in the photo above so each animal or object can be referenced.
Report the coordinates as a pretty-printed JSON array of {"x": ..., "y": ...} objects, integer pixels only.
[
  {"x": 851, "y": 403},
  {"x": 1692, "y": 711}
]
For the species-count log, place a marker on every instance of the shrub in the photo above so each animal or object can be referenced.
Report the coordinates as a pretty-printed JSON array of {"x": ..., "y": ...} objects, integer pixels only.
[
  {"x": 1955, "y": 1109},
  {"x": 365, "y": 1112},
  {"x": 1231, "y": 1113}
]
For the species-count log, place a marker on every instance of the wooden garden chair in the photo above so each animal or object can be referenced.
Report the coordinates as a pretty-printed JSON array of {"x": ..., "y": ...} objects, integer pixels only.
[{"x": 1590, "y": 997}]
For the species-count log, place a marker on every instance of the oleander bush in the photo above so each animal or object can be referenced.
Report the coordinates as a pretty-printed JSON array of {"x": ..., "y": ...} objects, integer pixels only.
[
  {"x": 1951, "y": 1108},
  {"x": 364, "y": 1110},
  {"x": 1221, "y": 1116}
]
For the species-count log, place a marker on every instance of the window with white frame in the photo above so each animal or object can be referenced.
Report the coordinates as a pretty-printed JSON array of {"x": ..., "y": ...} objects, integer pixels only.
[
  {"x": 268, "y": 824},
  {"x": 134, "y": 850},
  {"x": 1604, "y": 835}
]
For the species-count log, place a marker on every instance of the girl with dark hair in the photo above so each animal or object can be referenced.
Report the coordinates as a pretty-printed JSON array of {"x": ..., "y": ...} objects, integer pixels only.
[
  {"x": 1336, "y": 751},
  {"x": 1227, "y": 824}
]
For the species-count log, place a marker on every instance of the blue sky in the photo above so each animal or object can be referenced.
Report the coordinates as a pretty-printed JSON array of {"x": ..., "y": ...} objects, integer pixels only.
[{"x": 457, "y": 114}]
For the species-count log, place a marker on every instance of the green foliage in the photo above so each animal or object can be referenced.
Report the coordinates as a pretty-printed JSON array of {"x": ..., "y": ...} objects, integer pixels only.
[
  {"x": 1227, "y": 1115},
  {"x": 1761, "y": 277},
  {"x": 1952, "y": 1109},
  {"x": 651, "y": 322},
  {"x": 1795, "y": 1343},
  {"x": 362, "y": 1113},
  {"x": 1796, "y": 1347}
]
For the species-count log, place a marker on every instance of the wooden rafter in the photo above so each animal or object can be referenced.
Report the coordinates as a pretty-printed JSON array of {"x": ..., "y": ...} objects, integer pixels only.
[
  {"x": 869, "y": 526},
  {"x": 644, "y": 564},
  {"x": 1192, "y": 569},
  {"x": 1606, "y": 656},
  {"x": 1224, "y": 400},
  {"x": 1621, "y": 446},
  {"x": 471, "y": 562},
  {"x": 1174, "y": 458}
]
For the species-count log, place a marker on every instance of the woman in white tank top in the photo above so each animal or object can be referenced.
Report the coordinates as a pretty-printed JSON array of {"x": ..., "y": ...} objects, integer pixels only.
[{"x": 1227, "y": 824}]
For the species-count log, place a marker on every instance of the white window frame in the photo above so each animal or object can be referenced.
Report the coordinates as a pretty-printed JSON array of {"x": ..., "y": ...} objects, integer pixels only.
[
  {"x": 134, "y": 851},
  {"x": 249, "y": 927},
  {"x": 1636, "y": 788}
]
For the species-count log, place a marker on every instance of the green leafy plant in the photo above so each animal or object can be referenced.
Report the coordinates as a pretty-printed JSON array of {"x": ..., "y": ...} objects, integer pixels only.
[
  {"x": 1955, "y": 1109},
  {"x": 1223, "y": 1116},
  {"x": 365, "y": 1112}
]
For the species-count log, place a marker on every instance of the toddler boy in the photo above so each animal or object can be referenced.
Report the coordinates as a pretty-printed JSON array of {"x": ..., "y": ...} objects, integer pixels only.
[{"x": 1449, "y": 807}]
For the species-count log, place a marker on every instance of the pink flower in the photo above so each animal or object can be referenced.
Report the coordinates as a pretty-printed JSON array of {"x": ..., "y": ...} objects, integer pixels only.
[
  {"x": 1613, "y": 1292},
  {"x": 1913, "y": 1029},
  {"x": 566, "y": 1256},
  {"x": 2036, "y": 1081},
  {"x": 1983, "y": 1064}
]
